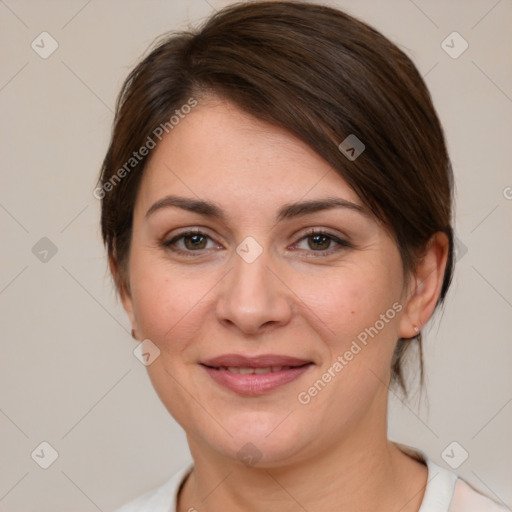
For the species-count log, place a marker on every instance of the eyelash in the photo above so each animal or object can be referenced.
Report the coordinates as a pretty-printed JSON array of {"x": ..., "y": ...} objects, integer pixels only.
[{"x": 341, "y": 244}]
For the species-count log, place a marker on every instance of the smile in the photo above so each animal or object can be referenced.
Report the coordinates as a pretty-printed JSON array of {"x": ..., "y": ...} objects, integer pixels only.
[
  {"x": 248, "y": 371},
  {"x": 253, "y": 376}
]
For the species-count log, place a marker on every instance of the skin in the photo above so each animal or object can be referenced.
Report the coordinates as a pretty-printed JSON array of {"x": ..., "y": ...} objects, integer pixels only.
[{"x": 298, "y": 298}]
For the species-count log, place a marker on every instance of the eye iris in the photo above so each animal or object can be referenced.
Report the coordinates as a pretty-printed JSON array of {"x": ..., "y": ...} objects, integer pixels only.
[
  {"x": 319, "y": 242},
  {"x": 194, "y": 242}
]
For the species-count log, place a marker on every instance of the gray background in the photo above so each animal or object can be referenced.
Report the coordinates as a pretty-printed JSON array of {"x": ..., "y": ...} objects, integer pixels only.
[{"x": 68, "y": 373}]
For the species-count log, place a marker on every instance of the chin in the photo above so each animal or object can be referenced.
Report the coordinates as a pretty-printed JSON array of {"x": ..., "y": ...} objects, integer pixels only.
[{"x": 260, "y": 439}]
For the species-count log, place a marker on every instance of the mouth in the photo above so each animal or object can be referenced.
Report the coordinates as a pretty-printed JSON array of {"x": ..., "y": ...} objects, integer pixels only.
[{"x": 252, "y": 376}]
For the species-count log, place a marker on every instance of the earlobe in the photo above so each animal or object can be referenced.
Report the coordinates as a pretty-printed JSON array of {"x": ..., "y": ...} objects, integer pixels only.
[
  {"x": 124, "y": 294},
  {"x": 426, "y": 283},
  {"x": 127, "y": 302}
]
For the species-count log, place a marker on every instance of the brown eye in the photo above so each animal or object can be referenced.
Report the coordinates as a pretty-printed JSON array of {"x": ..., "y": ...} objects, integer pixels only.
[
  {"x": 191, "y": 242},
  {"x": 319, "y": 242},
  {"x": 195, "y": 242}
]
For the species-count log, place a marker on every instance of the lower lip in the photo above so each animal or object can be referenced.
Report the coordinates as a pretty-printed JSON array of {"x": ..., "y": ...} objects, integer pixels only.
[{"x": 254, "y": 384}]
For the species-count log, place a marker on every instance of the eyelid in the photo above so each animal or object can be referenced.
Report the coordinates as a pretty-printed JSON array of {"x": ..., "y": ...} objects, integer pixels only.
[
  {"x": 170, "y": 243},
  {"x": 325, "y": 231},
  {"x": 340, "y": 241},
  {"x": 196, "y": 230}
]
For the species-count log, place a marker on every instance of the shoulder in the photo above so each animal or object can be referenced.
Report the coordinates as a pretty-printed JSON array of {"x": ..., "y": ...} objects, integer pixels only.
[
  {"x": 161, "y": 499},
  {"x": 467, "y": 499},
  {"x": 446, "y": 492}
]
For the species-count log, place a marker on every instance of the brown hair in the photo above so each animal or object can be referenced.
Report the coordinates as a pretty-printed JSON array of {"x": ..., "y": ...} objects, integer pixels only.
[{"x": 321, "y": 74}]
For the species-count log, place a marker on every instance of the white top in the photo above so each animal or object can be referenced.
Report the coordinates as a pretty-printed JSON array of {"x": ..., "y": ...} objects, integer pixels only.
[{"x": 445, "y": 492}]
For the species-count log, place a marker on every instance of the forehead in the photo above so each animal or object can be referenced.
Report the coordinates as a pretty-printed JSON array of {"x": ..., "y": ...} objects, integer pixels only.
[{"x": 219, "y": 152}]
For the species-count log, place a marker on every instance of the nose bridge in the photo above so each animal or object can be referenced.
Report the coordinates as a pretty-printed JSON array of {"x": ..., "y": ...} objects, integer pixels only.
[
  {"x": 250, "y": 279},
  {"x": 252, "y": 296}
]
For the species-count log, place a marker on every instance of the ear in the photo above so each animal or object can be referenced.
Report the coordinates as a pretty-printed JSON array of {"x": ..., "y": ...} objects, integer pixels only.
[
  {"x": 425, "y": 286},
  {"x": 124, "y": 293}
]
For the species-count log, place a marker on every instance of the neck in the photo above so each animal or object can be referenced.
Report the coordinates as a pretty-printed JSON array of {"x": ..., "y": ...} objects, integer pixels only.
[{"x": 365, "y": 473}]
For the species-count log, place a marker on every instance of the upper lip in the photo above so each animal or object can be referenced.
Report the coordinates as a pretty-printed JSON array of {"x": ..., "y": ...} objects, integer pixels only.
[{"x": 261, "y": 361}]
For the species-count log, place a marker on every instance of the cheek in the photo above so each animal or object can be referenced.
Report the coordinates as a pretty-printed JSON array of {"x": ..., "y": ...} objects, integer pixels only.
[
  {"x": 350, "y": 300},
  {"x": 168, "y": 305},
  {"x": 170, "y": 310},
  {"x": 358, "y": 309}
]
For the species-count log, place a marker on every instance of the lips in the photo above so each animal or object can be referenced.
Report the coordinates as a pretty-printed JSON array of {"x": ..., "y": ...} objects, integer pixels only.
[
  {"x": 254, "y": 375},
  {"x": 262, "y": 361}
]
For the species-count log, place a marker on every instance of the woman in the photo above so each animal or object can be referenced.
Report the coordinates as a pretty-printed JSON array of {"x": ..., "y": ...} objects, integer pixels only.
[{"x": 276, "y": 206}]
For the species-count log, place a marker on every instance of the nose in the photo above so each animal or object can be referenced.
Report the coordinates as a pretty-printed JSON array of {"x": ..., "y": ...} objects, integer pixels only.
[{"x": 253, "y": 298}]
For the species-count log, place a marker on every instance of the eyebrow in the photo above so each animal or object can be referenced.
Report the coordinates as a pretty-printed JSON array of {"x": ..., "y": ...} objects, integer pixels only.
[{"x": 287, "y": 211}]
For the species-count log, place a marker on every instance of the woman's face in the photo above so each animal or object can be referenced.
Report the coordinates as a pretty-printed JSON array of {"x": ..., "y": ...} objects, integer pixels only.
[{"x": 249, "y": 251}]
